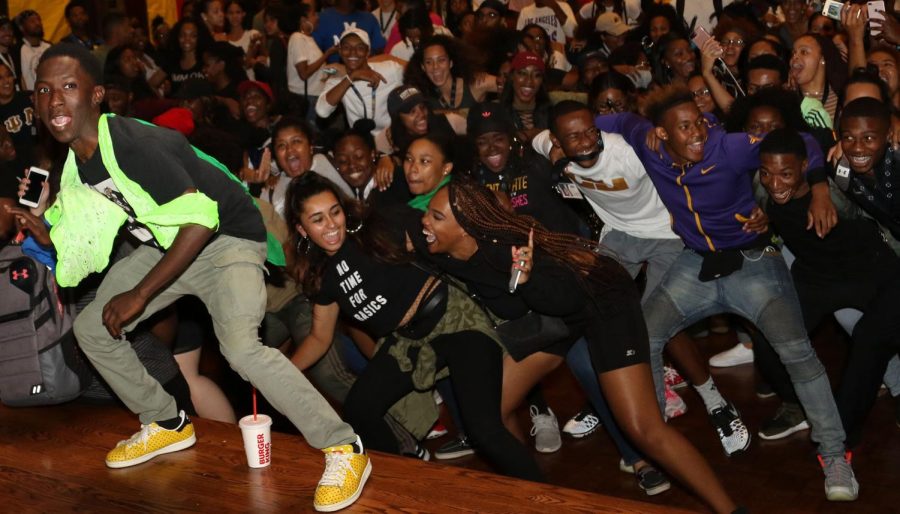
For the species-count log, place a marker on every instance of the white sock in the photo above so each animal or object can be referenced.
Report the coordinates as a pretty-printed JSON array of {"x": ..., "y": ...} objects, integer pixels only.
[{"x": 711, "y": 397}]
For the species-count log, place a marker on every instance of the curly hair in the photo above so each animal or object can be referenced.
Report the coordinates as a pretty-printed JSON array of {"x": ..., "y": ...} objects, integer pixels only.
[
  {"x": 204, "y": 39},
  {"x": 459, "y": 53}
]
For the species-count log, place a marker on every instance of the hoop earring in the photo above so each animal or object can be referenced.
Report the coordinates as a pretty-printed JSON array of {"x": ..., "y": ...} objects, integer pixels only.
[
  {"x": 303, "y": 245},
  {"x": 357, "y": 229}
]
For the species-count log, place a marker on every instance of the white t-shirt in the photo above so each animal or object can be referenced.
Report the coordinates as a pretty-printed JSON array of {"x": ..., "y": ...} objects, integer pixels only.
[
  {"x": 618, "y": 188},
  {"x": 386, "y": 21},
  {"x": 546, "y": 18},
  {"x": 320, "y": 165},
  {"x": 358, "y": 100},
  {"x": 303, "y": 48},
  {"x": 590, "y": 11},
  {"x": 30, "y": 56},
  {"x": 405, "y": 50},
  {"x": 244, "y": 44},
  {"x": 558, "y": 61}
]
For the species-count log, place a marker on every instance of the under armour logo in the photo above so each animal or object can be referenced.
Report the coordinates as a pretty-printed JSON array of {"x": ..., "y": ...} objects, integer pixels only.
[
  {"x": 629, "y": 353},
  {"x": 23, "y": 274}
]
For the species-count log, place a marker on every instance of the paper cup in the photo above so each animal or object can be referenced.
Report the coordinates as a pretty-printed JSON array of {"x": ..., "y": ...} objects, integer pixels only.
[{"x": 257, "y": 439}]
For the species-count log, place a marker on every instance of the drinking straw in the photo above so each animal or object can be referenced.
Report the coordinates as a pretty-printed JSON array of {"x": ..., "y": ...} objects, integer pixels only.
[{"x": 254, "y": 404}]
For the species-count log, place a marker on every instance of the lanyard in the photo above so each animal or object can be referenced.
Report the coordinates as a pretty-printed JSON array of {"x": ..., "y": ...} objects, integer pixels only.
[
  {"x": 449, "y": 105},
  {"x": 381, "y": 22},
  {"x": 8, "y": 62},
  {"x": 363, "y": 102}
]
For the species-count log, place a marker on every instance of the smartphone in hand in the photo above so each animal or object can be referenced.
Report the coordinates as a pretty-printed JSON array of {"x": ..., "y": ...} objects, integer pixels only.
[
  {"x": 700, "y": 37},
  {"x": 876, "y": 12},
  {"x": 32, "y": 196}
]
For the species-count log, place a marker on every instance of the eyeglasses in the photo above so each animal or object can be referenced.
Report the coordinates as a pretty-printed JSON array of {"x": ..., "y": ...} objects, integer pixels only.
[
  {"x": 700, "y": 92},
  {"x": 535, "y": 37},
  {"x": 733, "y": 42},
  {"x": 486, "y": 14}
]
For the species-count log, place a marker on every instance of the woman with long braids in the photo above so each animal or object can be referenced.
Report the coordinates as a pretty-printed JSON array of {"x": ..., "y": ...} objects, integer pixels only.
[
  {"x": 473, "y": 237},
  {"x": 352, "y": 262}
]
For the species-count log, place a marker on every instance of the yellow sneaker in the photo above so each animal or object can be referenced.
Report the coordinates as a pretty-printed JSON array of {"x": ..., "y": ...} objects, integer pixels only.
[
  {"x": 345, "y": 475},
  {"x": 151, "y": 441}
]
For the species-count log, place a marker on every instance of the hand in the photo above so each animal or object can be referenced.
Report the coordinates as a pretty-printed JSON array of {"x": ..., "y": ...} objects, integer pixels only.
[
  {"x": 652, "y": 141},
  {"x": 331, "y": 51},
  {"x": 890, "y": 28},
  {"x": 28, "y": 222},
  {"x": 384, "y": 172},
  {"x": 24, "y": 184},
  {"x": 122, "y": 309},
  {"x": 835, "y": 154},
  {"x": 709, "y": 52},
  {"x": 556, "y": 153},
  {"x": 822, "y": 214},
  {"x": 758, "y": 222},
  {"x": 260, "y": 174},
  {"x": 853, "y": 19},
  {"x": 523, "y": 259},
  {"x": 894, "y": 135},
  {"x": 368, "y": 75}
]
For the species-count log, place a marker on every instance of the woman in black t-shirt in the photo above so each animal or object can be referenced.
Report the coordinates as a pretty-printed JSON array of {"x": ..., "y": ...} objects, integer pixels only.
[
  {"x": 351, "y": 264},
  {"x": 565, "y": 276},
  {"x": 185, "y": 51}
]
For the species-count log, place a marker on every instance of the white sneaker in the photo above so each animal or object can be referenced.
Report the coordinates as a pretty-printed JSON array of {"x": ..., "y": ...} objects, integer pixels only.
[
  {"x": 737, "y": 355},
  {"x": 545, "y": 431},
  {"x": 582, "y": 424}
]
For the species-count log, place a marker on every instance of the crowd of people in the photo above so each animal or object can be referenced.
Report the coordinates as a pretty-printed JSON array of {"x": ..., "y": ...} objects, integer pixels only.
[{"x": 388, "y": 206}]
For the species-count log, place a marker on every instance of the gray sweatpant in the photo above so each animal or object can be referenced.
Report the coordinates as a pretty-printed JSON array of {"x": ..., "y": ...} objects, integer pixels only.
[{"x": 227, "y": 277}]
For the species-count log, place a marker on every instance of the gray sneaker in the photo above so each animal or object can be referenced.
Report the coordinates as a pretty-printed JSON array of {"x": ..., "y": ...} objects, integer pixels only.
[
  {"x": 840, "y": 482},
  {"x": 545, "y": 430},
  {"x": 788, "y": 419}
]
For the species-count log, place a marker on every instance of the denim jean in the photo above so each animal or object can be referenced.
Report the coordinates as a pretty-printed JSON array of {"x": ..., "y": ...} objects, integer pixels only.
[
  {"x": 579, "y": 361},
  {"x": 763, "y": 293}
]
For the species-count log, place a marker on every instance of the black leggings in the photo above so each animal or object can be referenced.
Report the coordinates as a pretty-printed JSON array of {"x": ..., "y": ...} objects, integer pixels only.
[{"x": 476, "y": 367}]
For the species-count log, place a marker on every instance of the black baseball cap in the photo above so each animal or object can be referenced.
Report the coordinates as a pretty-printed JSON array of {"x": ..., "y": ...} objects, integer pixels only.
[
  {"x": 488, "y": 117},
  {"x": 402, "y": 99}
]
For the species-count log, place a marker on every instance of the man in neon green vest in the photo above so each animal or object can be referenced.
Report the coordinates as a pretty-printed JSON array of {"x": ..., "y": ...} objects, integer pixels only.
[{"x": 200, "y": 235}]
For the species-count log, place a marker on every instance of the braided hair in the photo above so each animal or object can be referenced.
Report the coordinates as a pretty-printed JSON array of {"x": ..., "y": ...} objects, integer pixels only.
[{"x": 478, "y": 212}]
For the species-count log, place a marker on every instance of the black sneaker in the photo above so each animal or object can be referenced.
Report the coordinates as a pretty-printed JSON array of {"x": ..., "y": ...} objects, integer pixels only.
[
  {"x": 764, "y": 390},
  {"x": 421, "y": 453},
  {"x": 788, "y": 419},
  {"x": 459, "y": 447},
  {"x": 732, "y": 432},
  {"x": 651, "y": 480}
]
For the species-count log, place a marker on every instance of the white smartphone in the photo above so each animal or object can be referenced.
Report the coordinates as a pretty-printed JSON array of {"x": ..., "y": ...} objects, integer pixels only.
[
  {"x": 37, "y": 177},
  {"x": 876, "y": 12},
  {"x": 832, "y": 9}
]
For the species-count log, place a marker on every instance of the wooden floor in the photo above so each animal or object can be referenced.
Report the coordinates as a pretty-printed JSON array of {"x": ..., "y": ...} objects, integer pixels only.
[
  {"x": 773, "y": 477},
  {"x": 51, "y": 461}
]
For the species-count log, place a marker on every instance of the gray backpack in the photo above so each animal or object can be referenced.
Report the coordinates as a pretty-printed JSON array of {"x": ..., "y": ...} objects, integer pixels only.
[{"x": 39, "y": 364}]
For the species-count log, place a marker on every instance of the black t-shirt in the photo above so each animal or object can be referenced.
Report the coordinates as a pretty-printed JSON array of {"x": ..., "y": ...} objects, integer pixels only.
[
  {"x": 18, "y": 119},
  {"x": 854, "y": 249},
  {"x": 178, "y": 75},
  {"x": 529, "y": 185},
  {"x": 162, "y": 162},
  {"x": 9, "y": 185},
  {"x": 376, "y": 295}
]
